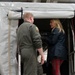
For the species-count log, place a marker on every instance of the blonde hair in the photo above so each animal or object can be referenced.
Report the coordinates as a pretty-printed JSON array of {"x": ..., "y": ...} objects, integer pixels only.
[{"x": 58, "y": 25}]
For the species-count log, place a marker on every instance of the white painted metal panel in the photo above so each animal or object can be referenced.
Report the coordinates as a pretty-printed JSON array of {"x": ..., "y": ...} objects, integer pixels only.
[{"x": 44, "y": 10}]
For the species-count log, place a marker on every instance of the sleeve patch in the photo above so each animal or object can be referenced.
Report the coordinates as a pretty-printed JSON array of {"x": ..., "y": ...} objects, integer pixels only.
[{"x": 37, "y": 29}]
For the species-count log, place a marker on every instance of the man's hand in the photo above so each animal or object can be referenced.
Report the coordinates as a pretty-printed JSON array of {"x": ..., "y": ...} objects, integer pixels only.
[
  {"x": 42, "y": 60},
  {"x": 40, "y": 50}
]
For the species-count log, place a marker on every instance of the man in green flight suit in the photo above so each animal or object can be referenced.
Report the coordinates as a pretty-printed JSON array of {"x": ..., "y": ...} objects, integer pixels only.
[{"x": 29, "y": 42}]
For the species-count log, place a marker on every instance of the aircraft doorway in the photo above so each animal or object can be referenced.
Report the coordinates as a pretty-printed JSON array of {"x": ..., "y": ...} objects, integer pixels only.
[{"x": 43, "y": 25}]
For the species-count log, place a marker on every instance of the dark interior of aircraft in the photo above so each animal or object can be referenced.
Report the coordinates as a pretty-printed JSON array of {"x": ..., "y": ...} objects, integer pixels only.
[{"x": 44, "y": 28}]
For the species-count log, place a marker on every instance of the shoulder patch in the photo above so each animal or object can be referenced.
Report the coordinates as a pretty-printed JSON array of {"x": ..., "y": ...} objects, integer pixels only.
[{"x": 37, "y": 29}]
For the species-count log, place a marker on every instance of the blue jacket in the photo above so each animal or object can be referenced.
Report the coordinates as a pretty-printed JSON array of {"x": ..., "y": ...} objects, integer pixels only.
[{"x": 57, "y": 45}]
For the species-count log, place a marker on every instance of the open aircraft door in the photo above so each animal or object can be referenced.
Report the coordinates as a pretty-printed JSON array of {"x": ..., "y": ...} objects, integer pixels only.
[
  {"x": 61, "y": 11},
  {"x": 42, "y": 12},
  {"x": 71, "y": 46}
]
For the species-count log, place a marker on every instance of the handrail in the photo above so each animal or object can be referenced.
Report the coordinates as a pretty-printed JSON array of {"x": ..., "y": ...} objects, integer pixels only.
[
  {"x": 71, "y": 53},
  {"x": 73, "y": 73}
]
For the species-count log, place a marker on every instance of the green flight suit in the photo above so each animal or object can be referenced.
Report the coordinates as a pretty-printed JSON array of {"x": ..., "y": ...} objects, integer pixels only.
[{"x": 29, "y": 40}]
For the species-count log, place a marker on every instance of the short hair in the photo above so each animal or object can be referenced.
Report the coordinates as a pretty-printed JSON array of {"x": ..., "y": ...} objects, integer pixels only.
[{"x": 27, "y": 15}]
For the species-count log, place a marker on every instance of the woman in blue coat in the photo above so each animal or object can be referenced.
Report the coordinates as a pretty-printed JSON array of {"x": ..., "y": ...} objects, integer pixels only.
[{"x": 57, "y": 51}]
